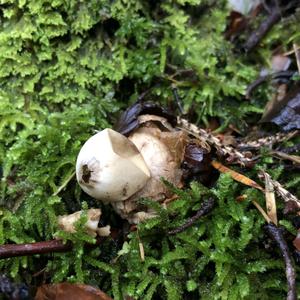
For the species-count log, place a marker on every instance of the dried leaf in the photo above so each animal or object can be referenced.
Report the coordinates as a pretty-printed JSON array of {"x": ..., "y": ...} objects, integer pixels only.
[
  {"x": 67, "y": 291},
  {"x": 297, "y": 54},
  {"x": 292, "y": 203},
  {"x": 142, "y": 251},
  {"x": 285, "y": 113},
  {"x": 196, "y": 162},
  {"x": 280, "y": 63},
  {"x": 194, "y": 154},
  {"x": 128, "y": 121},
  {"x": 241, "y": 198},
  {"x": 296, "y": 241},
  {"x": 270, "y": 199},
  {"x": 209, "y": 141},
  {"x": 237, "y": 23},
  {"x": 236, "y": 176}
]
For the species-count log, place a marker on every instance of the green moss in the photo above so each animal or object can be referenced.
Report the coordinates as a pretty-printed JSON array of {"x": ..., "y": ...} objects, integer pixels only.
[{"x": 66, "y": 68}]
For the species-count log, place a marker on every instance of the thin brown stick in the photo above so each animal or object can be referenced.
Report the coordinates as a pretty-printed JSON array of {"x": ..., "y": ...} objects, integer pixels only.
[
  {"x": 205, "y": 208},
  {"x": 14, "y": 250},
  {"x": 262, "y": 30},
  {"x": 277, "y": 75},
  {"x": 276, "y": 234}
]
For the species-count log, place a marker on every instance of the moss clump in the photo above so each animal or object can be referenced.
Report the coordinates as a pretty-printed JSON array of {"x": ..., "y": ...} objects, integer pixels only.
[{"x": 66, "y": 68}]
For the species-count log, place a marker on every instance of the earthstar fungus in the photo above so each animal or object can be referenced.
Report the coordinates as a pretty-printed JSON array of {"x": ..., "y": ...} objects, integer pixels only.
[{"x": 120, "y": 170}]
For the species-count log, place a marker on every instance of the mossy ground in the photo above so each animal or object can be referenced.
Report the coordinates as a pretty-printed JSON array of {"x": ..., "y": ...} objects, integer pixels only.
[{"x": 67, "y": 68}]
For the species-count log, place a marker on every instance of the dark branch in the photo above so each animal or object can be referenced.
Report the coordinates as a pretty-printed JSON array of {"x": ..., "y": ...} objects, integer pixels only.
[
  {"x": 282, "y": 75},
  {"x": 276, "y": 234},
  {"x": 205, "y": 208},
  {"x": 262, "y": 30},
  {"x": 13, "y": 250}
]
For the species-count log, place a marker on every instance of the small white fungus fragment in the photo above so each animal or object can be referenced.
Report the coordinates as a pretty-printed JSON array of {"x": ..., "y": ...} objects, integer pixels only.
[{"x": 67, "y": 223}]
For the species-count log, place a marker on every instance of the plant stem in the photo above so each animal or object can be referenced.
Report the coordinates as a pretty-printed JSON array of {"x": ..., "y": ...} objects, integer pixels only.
[
  {"x": 14, "y": 250},
  {"x": 262, "y": 30},
  {"x": 276, "y": 234},
  {"x": 205, "y": 208}
]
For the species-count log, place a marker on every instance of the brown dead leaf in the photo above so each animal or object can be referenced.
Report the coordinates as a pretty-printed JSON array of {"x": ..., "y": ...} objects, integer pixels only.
[
  {"x": 297, "y": 54},
  {"x": 236, "y": 176},
  {"x": 284, "y": 112},
  {"x": 237, "y": 23},
  {"x": 292, "y": 203},
  {"x": 280, "y": 62},
  {"x": 241, "y": 198},
  {"x": 270, "y": 198},
  {"x": 276, "y": 101},
  {"x": 68, "y": 291},
  {"x": 296, "y": 241}
]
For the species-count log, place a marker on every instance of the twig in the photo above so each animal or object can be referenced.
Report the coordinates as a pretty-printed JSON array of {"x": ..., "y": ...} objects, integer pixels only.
[
  {"x": 276, "y": 234},
  {"x": 267, "y": 141},
  {"x": 276, "y": 12},
  {"x": 177, "y": 99},
  {"x": 293, "y": 158},
  {"x": 261, "y": 210},
  {"x": 262, "y": 79},
  {"x": 262, "y": 30},
  {"x": 292, "y": 149},
  {"x": 64, "y": 184},
  {"x": 205, "y": 208},
  {"x": 14, "y": 250},
  {"x": 207, "y": 139}
]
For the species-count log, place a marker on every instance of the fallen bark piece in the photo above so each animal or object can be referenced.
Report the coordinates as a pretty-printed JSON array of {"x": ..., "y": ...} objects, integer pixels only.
[
  {"x": 276, "y": 234},
  {"x": 67, "y": 291}
]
